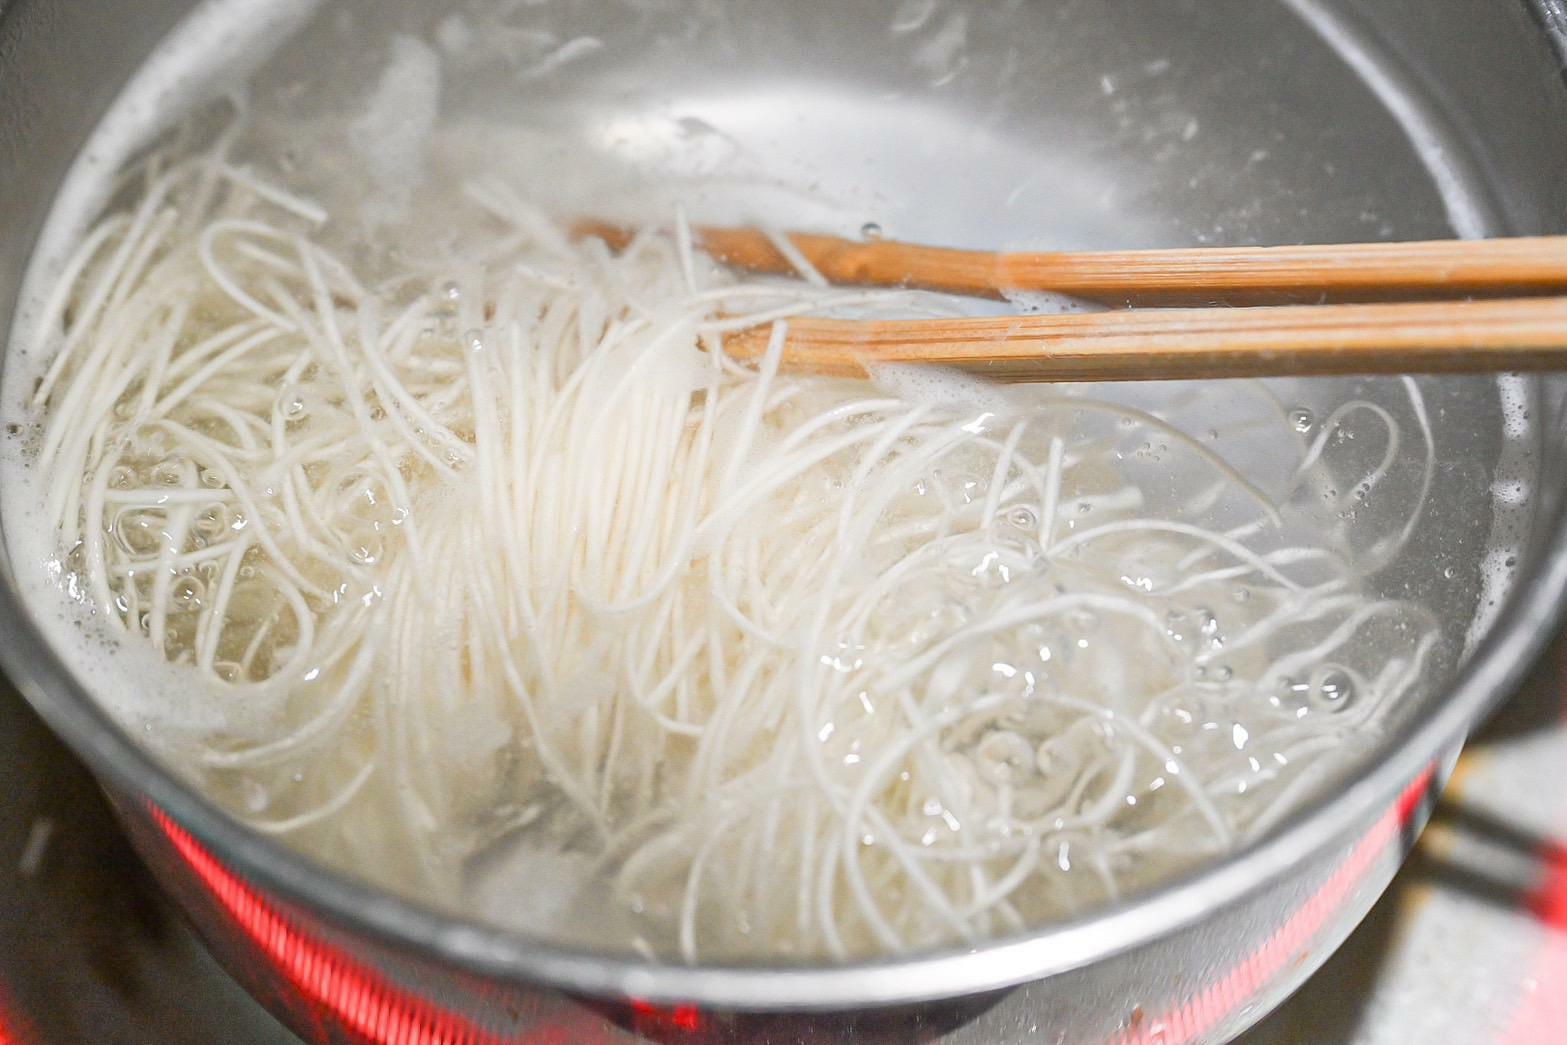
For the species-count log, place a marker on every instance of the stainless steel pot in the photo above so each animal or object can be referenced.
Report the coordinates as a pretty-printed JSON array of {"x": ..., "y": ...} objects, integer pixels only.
[{"x": 1188, "y": 121}]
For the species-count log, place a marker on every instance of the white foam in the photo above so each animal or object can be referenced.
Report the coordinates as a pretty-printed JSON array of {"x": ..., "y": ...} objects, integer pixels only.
[
  {"x": 1511, "y": 506},
  {"x": 213, "y": 50},
  {"x": 935, "y": 386},
  {"x": 1049, "y": 303},
  {"x": 168, "y": 703}
]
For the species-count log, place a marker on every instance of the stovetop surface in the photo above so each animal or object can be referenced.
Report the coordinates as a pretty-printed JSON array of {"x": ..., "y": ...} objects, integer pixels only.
[
  {"x": 1465, "y": 946},
  {"x": 90, "y": 951}
]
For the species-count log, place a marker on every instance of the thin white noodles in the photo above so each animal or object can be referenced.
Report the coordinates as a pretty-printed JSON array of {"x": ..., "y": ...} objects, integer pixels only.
[{"x": 506, "y": 549}]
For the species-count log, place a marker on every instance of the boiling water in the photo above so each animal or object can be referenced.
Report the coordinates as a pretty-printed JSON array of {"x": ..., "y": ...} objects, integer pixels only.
[{"x": 782, "y": 667}]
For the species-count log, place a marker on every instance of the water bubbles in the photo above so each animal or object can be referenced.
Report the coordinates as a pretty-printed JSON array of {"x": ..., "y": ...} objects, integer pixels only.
[
  {"x": 139, "y": 532},
  {"x": 1333, "y": 689},
  {"x": 1450, "y": 572},
  {"x": 123, "y": 478},
  {"x": 1302, "y": 420},
  {"x": 1241, "y": 595},
  {"x": 1023, "y": 518},
  {"x": 474, "y": 340},
  {"x": 170, "y": 471},
  {"x": 149, "y": 442},
  {"x": 213, "y": 479},
  {"x": 846, "y": 656},
  {"x": 366, "y": 551},
  {"x": 1210, "y": 633},
  {"x": 451, "y": 291},
  {"x": 186, "y": 594},
  {"x": 870, "y": 231},
  {"x": 213, "y": 520},
  {"x": 1069, "y": 847},
  {"x": 291, "y": 406}
]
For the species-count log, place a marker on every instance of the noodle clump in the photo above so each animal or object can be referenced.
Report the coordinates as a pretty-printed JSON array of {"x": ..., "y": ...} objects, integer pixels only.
[{"x": 501, "y": 559}]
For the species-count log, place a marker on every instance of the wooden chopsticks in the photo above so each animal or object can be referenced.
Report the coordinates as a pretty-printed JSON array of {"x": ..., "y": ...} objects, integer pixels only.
[
  {"x": 1201, "y": 275},
  {"x": 1377, "y": 308},
  {"x": 1162, "y": 344}
]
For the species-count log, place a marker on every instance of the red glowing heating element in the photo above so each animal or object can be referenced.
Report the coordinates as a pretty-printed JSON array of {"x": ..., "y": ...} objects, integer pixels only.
[
  {"x": 681, "y": 1017},
  {"x": 379, "y": 1012},
  {"x": 358, "y": 996},
  {"x": 1290, "y": 942},
  {"x": 12, "y": 1030}
]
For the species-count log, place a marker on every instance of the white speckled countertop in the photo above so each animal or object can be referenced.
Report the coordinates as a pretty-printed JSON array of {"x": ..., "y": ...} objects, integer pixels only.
[{"x": 1470, "y": 942}]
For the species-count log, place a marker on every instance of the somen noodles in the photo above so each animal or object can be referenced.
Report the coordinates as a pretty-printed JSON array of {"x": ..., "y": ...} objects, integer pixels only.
[{"x": 495, "y": 572}]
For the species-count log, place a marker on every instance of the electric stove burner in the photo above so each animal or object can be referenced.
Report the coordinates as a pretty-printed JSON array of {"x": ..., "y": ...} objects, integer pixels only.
[{"x": 91, "y": 951}]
